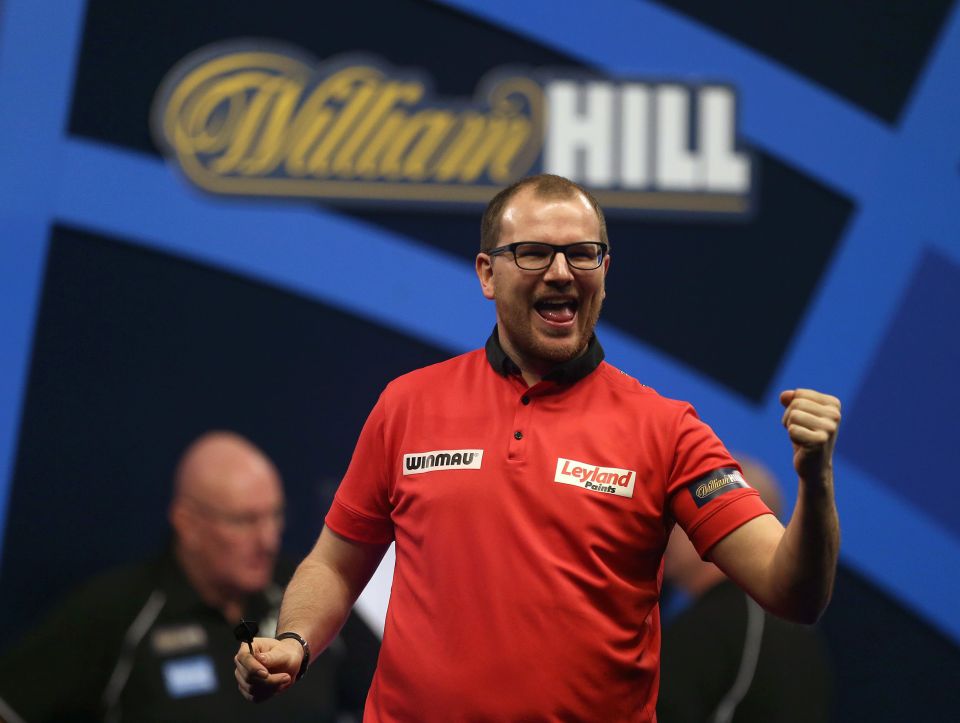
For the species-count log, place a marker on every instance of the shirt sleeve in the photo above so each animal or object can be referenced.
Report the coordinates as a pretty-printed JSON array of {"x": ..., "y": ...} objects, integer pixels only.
[
  {"x": 361, "y": 508},
  {"x": 707, "y": 493}
]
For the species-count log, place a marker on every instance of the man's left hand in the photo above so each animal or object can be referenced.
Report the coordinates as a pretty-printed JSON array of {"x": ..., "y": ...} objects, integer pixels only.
[{"x": 812, "y": 420}]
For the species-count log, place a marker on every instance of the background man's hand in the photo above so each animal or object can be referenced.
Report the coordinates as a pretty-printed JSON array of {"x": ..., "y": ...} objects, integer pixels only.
[
  {"x": 272, "y": 668},
  {"x": 812, "y": 420}
]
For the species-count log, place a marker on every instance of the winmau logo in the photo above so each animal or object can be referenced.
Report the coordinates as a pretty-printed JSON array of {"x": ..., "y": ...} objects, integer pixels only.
[
  {"x": 609, "y": 480},
  {"x": 420, "y": 462}
]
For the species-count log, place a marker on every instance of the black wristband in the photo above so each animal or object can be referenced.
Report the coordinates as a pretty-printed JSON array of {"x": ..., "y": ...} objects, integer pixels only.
[{"x": 306, "y": 652}]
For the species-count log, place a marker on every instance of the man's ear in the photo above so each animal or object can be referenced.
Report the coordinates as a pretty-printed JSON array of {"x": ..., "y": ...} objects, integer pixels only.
[
  {"x": 181, "y": 519},
  {"x": 606, "y": 268},
  {"x": 484, "y": 267}
]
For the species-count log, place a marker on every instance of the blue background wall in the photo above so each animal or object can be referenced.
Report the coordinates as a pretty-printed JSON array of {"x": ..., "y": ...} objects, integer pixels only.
[{"x": 138, "y": 311}]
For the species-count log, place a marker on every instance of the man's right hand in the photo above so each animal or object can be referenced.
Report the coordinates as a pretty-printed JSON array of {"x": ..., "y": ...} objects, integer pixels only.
[{"x": 271, "y": 669}]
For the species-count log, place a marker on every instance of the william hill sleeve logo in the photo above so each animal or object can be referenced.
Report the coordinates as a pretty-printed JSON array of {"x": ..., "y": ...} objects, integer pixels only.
[
  {"x": 258, "y": 119},
  {"x": 714, "y": 484}
]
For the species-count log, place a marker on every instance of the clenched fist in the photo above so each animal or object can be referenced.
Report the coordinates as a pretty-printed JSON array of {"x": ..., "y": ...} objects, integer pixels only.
[{"x": 812, "y": 420}]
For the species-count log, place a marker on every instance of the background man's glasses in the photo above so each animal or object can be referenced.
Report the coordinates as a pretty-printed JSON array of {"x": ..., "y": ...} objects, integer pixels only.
[
  {"x": 240, "y": 520},
  {"x": 536, "y": 256}
]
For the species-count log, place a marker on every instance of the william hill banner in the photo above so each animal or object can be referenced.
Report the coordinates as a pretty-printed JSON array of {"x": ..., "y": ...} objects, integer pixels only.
[{"x": 257, "y": 119}]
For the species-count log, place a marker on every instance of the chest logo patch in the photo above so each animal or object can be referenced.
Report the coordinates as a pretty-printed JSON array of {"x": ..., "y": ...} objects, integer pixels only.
[
  {"x": 176, "y": 639},
  {"x": 185, "y": 677},
  {"x": 608, "y": 480},
  {"x": 440, "y": 459}
]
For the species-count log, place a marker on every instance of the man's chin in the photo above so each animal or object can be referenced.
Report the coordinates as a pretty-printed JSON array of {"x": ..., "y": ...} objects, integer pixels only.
[
  {"x": 254, "y": 583},
  {"x": 541, "y": 346},
  {"x": 555, "y": 350}
]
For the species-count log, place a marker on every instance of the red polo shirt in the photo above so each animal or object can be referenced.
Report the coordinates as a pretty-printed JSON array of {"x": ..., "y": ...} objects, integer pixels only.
[{"x": 529, "y": 525}]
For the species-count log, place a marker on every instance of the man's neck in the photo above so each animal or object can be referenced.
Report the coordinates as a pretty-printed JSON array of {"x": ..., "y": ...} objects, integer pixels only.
[
  {"x": 532, "y": 376},
  {"x": 230, "y": 605},
  {"x": 533, "y": 372},
  {"x": 503, "y": 357}
]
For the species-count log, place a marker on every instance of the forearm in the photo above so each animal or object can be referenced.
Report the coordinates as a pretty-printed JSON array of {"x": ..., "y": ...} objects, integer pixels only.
[
  {"x": 315, "y": 604},
  {"x": 788, "y": 571},
  {"x": 324, "y": 588},
  {"x": 805, "y": 561}
]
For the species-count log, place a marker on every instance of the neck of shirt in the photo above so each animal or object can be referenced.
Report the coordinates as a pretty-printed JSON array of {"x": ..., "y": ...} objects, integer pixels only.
[{"x": 568, "y": 372}]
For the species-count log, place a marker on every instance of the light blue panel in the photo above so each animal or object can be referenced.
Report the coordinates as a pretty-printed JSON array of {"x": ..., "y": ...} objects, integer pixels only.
[{"x": 38, "y": 45}]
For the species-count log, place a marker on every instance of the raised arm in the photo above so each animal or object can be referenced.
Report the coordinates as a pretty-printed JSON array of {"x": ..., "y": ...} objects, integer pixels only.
[
  {"x": 315, "y": 605},
  {"x": 791, "y": 571}
]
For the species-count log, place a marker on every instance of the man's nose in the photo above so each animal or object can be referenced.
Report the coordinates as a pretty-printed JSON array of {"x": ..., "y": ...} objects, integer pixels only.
[
  {"x": 559, "y": 269},
  {"x": 269, "y": 530}
]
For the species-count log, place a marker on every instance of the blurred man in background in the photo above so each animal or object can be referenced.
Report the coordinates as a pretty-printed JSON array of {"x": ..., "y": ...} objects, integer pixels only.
[
  {"x": 153, "y": 642},
  {"x": 723, "y": 658}
]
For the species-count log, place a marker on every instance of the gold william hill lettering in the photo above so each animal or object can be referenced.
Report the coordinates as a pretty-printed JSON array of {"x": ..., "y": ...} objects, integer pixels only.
[
  {"x": 262, "y": 123},
  {"x": 712, "y": 486}
]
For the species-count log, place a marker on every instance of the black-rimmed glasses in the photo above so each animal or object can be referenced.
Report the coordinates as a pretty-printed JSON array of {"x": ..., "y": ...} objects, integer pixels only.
[{"x": 536, "y": 256}]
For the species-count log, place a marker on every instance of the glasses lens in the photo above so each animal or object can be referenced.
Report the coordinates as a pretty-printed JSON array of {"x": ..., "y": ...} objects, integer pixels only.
[
  {"x": 533, "y": 256},
  {"x": 584, "y": 256}
]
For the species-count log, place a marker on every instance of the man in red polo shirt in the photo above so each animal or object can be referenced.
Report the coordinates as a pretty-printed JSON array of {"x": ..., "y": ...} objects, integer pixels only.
[{"x": 530, "y": 488}]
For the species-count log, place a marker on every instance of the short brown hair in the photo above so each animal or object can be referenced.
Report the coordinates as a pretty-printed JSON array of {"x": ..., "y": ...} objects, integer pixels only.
[{"x": 545, "y": 185}]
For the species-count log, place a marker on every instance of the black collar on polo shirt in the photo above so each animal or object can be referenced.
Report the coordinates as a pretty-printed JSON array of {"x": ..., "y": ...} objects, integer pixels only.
[{"x": 570, "y": 371}]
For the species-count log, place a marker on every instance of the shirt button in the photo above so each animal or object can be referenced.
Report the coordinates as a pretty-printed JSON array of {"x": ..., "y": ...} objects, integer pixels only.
[
  {"x": 525, "y": 399},
  {"x": 518, "y": 435}
]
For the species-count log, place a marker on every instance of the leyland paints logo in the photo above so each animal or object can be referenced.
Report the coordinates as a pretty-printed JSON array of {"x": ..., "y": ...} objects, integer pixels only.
[
  {"x": 255, "y": 118},
  {"x": 609, "y": 480}
]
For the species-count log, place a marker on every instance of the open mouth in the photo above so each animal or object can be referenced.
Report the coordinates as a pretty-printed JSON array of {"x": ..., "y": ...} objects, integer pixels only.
[{"x": 557, "y": 311}]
